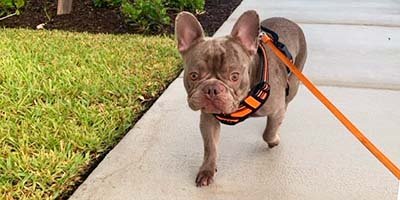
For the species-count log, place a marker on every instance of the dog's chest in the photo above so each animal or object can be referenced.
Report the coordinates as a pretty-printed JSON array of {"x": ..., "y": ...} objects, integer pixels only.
[{"x": 278, "y": 84}]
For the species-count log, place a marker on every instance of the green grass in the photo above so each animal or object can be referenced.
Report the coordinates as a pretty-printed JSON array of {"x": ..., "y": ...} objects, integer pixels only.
[{"x": 66, "y": 98}]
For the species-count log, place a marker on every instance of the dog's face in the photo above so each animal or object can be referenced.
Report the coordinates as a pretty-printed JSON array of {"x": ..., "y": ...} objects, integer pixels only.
[{"x": 216, "y": 70}]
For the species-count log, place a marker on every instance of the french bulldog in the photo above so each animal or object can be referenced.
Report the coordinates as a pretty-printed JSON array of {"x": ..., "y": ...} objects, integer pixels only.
[{"x": 219, "y": 73}]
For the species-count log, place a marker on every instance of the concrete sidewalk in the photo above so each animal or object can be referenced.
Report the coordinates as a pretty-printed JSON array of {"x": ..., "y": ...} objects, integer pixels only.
[{"x": 349, "y": 46}]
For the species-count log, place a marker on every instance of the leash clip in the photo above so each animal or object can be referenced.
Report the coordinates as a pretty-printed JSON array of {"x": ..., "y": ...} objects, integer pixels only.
[{"x": 264, "y": 37}]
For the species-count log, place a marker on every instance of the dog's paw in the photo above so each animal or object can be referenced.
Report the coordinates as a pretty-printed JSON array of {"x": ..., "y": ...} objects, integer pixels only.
[
  {"x": 274, "y": 142},
  {"x": 205, "y": 177}
]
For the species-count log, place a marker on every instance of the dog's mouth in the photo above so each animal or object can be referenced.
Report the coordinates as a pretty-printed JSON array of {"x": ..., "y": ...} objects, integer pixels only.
[
  {"x": 212, "y": 110},
  {"x": 222, "y": 104},
  {"x": 218, "y": 107}
]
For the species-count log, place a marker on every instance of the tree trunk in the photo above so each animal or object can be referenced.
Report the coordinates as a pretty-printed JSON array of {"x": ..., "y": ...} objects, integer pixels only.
[{"x": 64, "y": 7}]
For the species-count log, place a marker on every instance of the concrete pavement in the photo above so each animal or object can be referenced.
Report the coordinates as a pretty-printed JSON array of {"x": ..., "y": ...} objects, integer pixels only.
[
  {"x": 317, "y": 157},
  {"x": 351, "y": 43}
]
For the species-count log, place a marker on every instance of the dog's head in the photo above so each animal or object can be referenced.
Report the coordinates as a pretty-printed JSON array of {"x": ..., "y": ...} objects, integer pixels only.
[{"x": 216, "y": 70}]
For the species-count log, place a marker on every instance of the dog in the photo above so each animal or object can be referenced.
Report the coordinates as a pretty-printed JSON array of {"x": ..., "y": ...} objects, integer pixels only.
[{"x": 219, "y": 73}]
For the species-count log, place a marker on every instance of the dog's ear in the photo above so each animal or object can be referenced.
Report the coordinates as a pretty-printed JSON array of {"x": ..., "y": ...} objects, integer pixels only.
[
  {"x": 246, "y": 30},
  {"x": 187, "y": 30}
]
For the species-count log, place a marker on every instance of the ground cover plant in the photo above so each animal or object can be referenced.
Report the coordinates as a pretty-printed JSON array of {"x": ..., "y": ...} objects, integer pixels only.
[{"x": 66, "y": 98}]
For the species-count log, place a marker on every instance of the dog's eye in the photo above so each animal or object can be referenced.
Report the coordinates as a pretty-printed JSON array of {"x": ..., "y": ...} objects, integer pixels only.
[
  {"x": 194, "y": 76},
  {"x": 234, "y": 76}
]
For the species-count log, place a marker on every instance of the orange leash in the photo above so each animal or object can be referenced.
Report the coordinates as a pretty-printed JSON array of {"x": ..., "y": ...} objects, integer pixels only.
[{"x": 342, "y": 118}]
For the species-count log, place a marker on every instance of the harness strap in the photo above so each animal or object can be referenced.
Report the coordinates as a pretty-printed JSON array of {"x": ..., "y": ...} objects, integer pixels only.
[
  {"x": 260, "y": 93},
  {"x": 257, "y": 96},
  {"x": 275, "y": 40},
  {"x": 282, "y": 47}
]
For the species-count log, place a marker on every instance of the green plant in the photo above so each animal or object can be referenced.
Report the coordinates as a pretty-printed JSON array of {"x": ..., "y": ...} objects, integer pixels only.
[
  {"x": 5, "y": 6},
  {"x": 8, "y": 6},
  {"x": 189, "y": 5},
  {"x": 107, "y": 3},
  {"x": 146, "y": 15}
]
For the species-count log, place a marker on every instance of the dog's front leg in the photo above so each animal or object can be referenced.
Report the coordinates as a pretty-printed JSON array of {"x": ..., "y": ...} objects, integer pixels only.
[{"x": 210, "y": 129}]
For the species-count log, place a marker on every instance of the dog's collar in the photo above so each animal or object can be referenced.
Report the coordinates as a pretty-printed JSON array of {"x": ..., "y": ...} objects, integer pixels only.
[
  {"x": 256, "y": 98},
  {"x": 260, "y": 93}
]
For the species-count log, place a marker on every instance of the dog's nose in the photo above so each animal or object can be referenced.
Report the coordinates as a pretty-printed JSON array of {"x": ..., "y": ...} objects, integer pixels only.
[{"x": 211, "y": 91}]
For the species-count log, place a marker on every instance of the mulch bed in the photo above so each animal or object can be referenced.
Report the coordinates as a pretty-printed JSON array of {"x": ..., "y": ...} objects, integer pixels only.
[{"x": 86, "y": 17}]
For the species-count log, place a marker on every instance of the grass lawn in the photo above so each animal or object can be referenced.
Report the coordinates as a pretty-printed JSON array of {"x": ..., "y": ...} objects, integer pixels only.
[{"x": 66, "y": 98}]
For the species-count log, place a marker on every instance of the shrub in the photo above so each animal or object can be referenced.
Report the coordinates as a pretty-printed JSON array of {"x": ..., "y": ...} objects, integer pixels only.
[
  {"x": 189, "y": 5},
  {"x": 8, "y": 6},
  {"x": 107, "y": 3},
  {"x": 146, "y": 15}
]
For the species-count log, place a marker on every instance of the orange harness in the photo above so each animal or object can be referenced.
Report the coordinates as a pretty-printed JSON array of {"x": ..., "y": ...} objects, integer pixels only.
[
  {"x": 260, "y": 93},
  {"x": 256, "y": 98}
]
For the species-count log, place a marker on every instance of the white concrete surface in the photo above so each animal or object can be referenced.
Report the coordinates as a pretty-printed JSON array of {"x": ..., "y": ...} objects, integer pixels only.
[
  {"x": 350, "y": 43},
  {"x": 351, "y": 12},
  {"x": 317, "y": 159},
  {"x": 354, "y": 56},
  {"x": 398, "y": 193}
]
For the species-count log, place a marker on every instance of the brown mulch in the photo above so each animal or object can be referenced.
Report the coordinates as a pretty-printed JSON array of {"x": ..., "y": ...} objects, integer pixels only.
[{"x": 86, "y": 17}]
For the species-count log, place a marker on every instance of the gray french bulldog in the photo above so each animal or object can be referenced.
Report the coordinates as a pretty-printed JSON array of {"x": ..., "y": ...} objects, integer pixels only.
[{"x": 219, "y": 73}]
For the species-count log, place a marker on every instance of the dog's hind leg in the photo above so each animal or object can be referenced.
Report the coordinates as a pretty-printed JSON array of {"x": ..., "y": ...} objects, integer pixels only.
[{"x": 271, "y": 131}]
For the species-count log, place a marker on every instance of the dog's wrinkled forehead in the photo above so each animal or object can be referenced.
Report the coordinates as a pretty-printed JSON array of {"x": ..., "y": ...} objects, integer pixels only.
[{"x": 216, "y": 54}]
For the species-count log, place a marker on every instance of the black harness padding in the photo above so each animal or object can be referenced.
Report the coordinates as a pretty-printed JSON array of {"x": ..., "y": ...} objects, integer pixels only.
[
  {"x": 275, "y": 39},
  {"x": 282, "y": 47}
]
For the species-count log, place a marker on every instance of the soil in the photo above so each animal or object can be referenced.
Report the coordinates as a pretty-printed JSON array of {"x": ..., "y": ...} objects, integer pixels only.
[{"x": 87, "y": 18}]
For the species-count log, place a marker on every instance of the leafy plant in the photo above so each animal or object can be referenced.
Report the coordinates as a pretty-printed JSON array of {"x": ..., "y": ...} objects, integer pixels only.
[
  {"x": 8, "y": 6},
  {"x": 5, "y": 5},
  {"x": 189, "y": 5},
  {"x": 107, "y": 3},
  {"x": 146, "y": 15}
]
